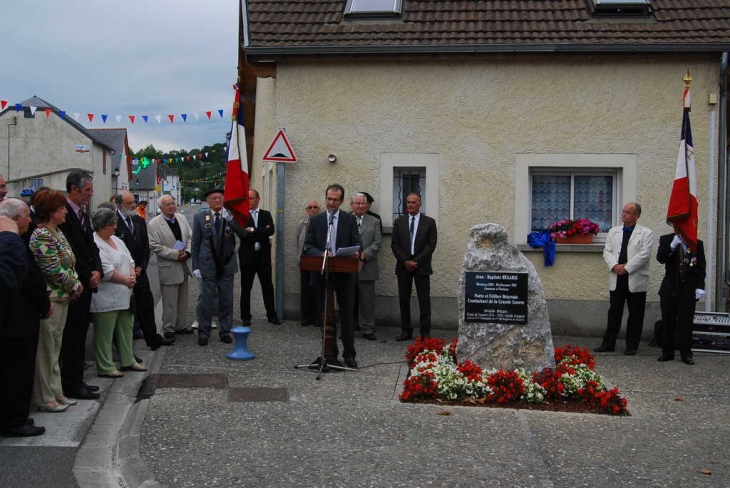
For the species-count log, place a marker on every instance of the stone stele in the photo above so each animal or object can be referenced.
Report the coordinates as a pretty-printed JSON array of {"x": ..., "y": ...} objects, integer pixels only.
[{"x": 496, "y": 345}]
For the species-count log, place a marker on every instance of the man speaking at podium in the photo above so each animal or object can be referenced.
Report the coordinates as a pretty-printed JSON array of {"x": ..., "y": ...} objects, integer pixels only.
[{"x": 342, "y": 229}]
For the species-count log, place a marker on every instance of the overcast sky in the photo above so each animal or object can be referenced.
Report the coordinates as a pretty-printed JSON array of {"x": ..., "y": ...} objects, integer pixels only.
[{"x": 126, "y": 57}]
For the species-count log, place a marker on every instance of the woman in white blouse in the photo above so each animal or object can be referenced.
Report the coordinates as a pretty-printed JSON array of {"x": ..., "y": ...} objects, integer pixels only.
[{"x": 110, "y": 306}]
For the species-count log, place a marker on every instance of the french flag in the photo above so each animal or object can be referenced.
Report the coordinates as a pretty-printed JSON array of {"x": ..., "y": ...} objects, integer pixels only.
[
  {"x": 682, "y": 211},
  {"x": 235, "y": 192}
]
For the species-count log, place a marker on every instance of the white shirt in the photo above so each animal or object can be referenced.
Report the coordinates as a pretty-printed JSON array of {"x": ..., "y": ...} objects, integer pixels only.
[{"x": 112, "y": 296}]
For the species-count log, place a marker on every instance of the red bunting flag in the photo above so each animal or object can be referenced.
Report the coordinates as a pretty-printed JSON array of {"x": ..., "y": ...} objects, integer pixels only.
[
  {"x": 48, "y": 112},
  {"x": 3, "y": 103},
  {"x": 131, "y": 118},
  {"x": 90, "y": 116},
  {"x": 172, "y": 118},
  {"x": 235, "y": 191},
  {"x": 208, "y": 113}
]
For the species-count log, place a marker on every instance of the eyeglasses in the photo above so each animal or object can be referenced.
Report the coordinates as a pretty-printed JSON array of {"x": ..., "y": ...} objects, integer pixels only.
[{"x": 312, "y": 207}]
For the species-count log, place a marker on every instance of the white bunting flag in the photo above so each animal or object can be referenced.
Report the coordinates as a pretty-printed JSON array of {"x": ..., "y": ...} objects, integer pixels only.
[
  {"x": 158, "y": 118},
  {"x": 32, "y": 110}
]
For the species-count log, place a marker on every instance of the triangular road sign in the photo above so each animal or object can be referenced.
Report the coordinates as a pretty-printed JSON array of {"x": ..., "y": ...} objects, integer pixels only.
[{"x": 280, "y": 150}]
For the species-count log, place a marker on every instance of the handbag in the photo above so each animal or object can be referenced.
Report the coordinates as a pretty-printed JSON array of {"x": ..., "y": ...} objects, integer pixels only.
[{"x": 132, "y": 304}]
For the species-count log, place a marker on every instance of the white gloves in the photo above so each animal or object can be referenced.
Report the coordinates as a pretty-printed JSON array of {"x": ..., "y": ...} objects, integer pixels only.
[
  {"x": 226, "y": 214},
  {"x": 699, "y": 294},
  {"x": 675, "y": 242},
  {"x": 196, "y": 273}
]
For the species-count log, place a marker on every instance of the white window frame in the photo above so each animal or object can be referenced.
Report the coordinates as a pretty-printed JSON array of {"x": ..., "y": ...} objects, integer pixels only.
[
  {"x": 390, "y": 163},
  {"x": 360, "y": 8},
  {"x": 624, "y": 165}
]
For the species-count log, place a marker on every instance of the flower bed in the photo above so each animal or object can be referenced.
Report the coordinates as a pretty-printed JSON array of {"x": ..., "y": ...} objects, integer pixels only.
[
  {"x": 569, "y": 228},
  {"x": 436, "y": 377}
]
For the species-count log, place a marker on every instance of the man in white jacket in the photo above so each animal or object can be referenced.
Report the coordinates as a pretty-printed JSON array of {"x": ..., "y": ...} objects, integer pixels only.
[{"x": 627, "y": 253}]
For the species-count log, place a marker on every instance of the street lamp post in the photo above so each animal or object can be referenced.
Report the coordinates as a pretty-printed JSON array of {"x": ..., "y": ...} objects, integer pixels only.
[{"x": 116, "y": 180}]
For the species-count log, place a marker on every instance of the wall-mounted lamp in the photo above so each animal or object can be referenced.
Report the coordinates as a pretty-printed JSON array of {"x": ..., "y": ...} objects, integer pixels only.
[
  {"x": 116, "y": 172},
  {"x": 332, "y": 158}
]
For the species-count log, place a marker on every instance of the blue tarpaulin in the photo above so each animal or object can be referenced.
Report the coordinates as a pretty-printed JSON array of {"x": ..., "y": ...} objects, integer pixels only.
[{"x": 541, "y": 238}]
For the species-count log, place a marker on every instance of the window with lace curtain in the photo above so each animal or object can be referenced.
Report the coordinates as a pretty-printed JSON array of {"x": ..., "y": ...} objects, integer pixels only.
[{"x": 569, "y": 194}]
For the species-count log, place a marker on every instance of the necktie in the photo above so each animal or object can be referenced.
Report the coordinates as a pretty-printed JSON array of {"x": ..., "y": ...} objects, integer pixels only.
[
  {"x": 359, "y": 224},
  {"x": 129, "y": 224},
  {"x": 217, "y": 223},
  {"x": 83, "y": 220},
  {"x": 255, "y": 216},
  {"x": 413, "y": 226}
]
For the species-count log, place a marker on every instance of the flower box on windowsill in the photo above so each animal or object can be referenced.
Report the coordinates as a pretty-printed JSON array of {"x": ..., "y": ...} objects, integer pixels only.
[{"x": 575, "y": 239}]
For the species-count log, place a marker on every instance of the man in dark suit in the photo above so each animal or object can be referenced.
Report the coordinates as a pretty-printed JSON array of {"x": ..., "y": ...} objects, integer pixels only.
[
  {"x": 254, "y": 255},
  {"x": 214, "y": 264},
  {"x": 78, "y": 232},
  {"x": 682, "y": 286},
  {"x": 414, "y": 241},
  {"x": 343, "y": 234},
  {"x": 20, "y": 317},
  {"x": 132, "y": 229}
]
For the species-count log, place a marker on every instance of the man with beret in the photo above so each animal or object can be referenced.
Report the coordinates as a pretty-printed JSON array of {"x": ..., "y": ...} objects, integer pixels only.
[{"x": 214, "y": 264}]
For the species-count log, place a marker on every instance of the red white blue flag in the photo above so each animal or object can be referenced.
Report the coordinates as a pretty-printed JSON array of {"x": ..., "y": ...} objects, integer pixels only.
[
  {"x": 235, "y": 195},
  {"x": 682, "y": 211}
]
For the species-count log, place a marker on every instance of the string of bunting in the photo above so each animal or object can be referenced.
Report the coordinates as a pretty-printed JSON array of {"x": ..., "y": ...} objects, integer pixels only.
[
  {"x": 205, "y": 115},
  {"x": 207, "y": 179}
]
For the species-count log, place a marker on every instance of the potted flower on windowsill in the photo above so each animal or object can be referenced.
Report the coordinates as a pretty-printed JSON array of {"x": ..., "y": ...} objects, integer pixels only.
[{"x": 580, "y": 231}]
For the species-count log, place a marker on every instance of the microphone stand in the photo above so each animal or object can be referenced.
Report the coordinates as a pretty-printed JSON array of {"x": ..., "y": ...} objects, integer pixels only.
[{"x": 321, "y": 362}]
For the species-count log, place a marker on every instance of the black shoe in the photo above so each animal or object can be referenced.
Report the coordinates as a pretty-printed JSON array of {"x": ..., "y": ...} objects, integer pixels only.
[
  {"x": 24, "y": 430},
  {"x": 630, "y": 352},
  {"x": 89, "y": 387},
  {"x": 138, "y": 360},
  {"x": 30, "y": 421},
  {"x": 247, "y": 323},
  {"x": 604, "y": 348},
  {"x": 275, "y": 321},
  {"x": 81, "y": 393},
  {"x": 169, "y": 335},
  {"x": 162, "y": 341},
  {"x": 666, "y": 357},
  {"x": 305, "y": 323},
  {"x": 356, "y": 327},
  {"x": 370, "y": 337},
  {"x": 203, "y": 341},
  {"x": 687, "y": 359},
  {"x": 351, "y": 363},
  {"x": 404, "y": 336},
  {"x": 187, "y": 331},
  {"x": 226, "y": 339}
]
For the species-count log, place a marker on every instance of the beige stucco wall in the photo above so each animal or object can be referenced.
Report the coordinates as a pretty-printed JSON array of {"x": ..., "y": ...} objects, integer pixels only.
[
  {"x": 45, "y": 147},
  {"x": 478, "y": 115}
]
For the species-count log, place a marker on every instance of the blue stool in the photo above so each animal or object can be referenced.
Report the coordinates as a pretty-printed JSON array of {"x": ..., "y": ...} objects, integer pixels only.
[{"x": 240, "y": 353}]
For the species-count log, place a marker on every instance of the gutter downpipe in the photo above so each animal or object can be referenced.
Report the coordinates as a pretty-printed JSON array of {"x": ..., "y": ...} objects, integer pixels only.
[
  {"x": 711, "y": 180},
  {"x": 721, "y": 280}
]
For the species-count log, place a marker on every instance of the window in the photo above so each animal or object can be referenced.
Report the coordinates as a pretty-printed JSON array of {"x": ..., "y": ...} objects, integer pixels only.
[
  {"x": 405, "y": 182},
  {"x": 401, "y": 174},
  {"x": 36, "y": 183},
  {"x": 552, "y": 186},
  {"x": 559, "y": 195},
  {"x": 619, "y": 8},
  {"x": 373, "y": 8}
]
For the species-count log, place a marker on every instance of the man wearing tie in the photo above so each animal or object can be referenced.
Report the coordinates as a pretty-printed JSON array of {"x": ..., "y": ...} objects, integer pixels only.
[
  {"x": 254, "y": 255},
  {"x": 627, "y": 252},
  {"x": 371, "y": 237},
  {"x": 413, "y": 244},
  {"x": 132, "y": 230},
  {"x": 214, "y": 264},
  {"x": 342, "y": 230},
  {"x": 78, "y": 232},
  {"x": 170, "y": 239}
]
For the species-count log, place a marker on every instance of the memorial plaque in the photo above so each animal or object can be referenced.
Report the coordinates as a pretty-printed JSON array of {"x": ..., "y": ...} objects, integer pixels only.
[{"x": 495, "y": 297}]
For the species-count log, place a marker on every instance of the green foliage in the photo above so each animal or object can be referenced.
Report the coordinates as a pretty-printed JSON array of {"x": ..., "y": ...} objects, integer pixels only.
[{"x": 194, "y": 168}]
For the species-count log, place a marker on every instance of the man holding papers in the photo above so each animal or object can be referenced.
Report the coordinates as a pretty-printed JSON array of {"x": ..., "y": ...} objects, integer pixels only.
[
  {"x": 329, "y": 232},
  {"x": 170, "y": 236}
]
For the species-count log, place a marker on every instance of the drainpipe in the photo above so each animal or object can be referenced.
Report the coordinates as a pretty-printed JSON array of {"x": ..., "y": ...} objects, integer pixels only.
[
  {"x": 14, "y": 122},
  {"x": 721, "y": 280}
]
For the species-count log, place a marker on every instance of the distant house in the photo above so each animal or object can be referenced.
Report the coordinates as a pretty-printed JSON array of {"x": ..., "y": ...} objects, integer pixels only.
[
  {"x": 121, "y": 165},
  {"x": 519, "y": 113},
  {"x": 42, "y": 144}
]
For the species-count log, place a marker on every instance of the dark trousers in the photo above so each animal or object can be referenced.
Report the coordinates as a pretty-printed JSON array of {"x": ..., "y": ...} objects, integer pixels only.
[
  {"x": 634, "y": 324},
  {"x": 343, "y": 285},
  {"x": 16, "y": 380},
  {"x": 248, "y": 273},
  {"x": 677, "y": 318},
  {"x": 423, "y": 291},
  {"x": 73, "y": 343},
  {"x": 308, "y": 300},
  {"x": 145, "y": 310}
]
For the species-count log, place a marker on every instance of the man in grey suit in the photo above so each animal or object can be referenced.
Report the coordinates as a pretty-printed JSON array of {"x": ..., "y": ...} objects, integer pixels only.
[
  {"x": 414, "y": 241},
  {"x": 170, "y": 235},
  {"x": 371, "y": 238},
  {"x": 214, "y": 264}
]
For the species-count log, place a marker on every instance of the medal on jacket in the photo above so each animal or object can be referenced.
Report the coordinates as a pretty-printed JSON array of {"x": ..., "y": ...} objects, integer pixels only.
[{"x": 207, "y": 221}]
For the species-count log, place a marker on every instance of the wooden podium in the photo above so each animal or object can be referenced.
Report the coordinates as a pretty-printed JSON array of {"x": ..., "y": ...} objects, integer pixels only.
[{"x": 334, "y": 265}]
